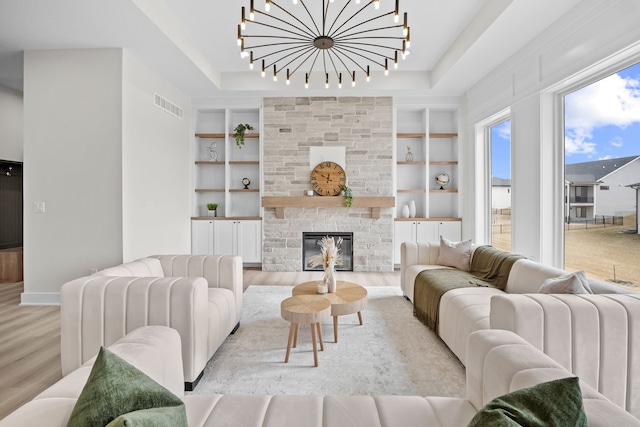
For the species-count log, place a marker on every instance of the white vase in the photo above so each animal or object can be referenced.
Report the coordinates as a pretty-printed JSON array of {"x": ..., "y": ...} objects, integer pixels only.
[
  {"x": 404, "y": 212},
  {"x": 412, "y": 209},
  {"x": 330, "y": 279}
]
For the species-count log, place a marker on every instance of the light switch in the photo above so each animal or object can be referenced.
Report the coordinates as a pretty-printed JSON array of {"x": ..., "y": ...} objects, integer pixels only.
[{"x": 38, "y": 207}]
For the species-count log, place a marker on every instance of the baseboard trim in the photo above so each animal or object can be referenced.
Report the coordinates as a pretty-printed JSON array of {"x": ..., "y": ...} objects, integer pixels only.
[{"x": 40, "y": 298}]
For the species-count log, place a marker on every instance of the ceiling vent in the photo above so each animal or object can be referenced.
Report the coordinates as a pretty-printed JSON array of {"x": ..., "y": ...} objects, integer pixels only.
[{"x": 168, "y": 106}]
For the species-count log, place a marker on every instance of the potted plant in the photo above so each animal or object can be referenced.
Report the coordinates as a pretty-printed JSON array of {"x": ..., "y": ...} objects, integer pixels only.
[
  {"x": 212, "y": 208},
  {"x": 239, "y": 131},
  {"x": 348, "y": 195}
]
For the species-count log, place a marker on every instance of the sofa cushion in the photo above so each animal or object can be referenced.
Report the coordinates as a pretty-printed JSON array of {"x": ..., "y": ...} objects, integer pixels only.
[
  {"x": 115, "y": 387},
  {"x": 144, "y": 267},
  {"x": 571, "y": 283},
  {"x": 455, "y": 254},
  {"x": 553, "y": 403}
]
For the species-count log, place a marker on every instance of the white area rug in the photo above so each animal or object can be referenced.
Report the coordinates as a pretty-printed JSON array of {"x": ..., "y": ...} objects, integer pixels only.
[{"x": 391, "y": 354}]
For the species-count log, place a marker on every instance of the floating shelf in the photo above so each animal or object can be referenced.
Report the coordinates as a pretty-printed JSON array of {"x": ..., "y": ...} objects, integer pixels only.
[
  {"x": 443, "y": 191},
  {"x": 374, "y": 202},
  {"x": 222, "y": 135},
  {"x": 412, "y": 163},
  {"x": 443, "y": 163},
  {"x": 244, "y": 190},
  {"x": 209, "y": 190},
  {"x": 412, "y": 190},
  {"x": 244, "y": 162},
  {"x": 207, "y": 162}
]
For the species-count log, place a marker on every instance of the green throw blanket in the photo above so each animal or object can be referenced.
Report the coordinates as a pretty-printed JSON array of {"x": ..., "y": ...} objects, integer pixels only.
[{"x": 490, "y": 267}]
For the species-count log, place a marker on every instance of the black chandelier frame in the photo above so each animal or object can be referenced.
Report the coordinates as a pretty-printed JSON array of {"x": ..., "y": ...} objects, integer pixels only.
[{"x": 329, "y": 41}]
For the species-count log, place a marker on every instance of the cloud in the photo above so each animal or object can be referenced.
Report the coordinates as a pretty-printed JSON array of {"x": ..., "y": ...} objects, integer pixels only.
[
  {"x": 612, "y": 101},
  {"x": 607, "y": 157},
  {"x": 503, "y": 130},
  {"x": 617, "y": 142}
]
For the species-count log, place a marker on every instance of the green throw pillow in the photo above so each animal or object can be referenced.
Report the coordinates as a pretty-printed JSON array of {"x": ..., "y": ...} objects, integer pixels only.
[
  {"x": 114, "y": 388},
  {"x": 554, "y": 403}
]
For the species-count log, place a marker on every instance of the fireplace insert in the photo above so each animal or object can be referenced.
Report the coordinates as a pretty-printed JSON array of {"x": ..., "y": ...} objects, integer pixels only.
[{"x": 311, "y": 247}]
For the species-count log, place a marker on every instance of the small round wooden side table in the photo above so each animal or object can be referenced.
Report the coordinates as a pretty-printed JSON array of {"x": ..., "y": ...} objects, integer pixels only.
[
  {"x": 349, "y": 298},
  {"x": 305, "y": 309}
]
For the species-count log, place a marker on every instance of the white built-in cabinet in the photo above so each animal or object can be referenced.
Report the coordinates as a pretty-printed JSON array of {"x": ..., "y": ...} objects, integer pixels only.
[
  {"x": 430, "y": 135},
  {"x": 219, "y": 169},
  {"x": 238, "y": 237}
]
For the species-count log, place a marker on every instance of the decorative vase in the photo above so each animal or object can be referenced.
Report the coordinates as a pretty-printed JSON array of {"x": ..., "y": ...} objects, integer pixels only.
[
  {"x": 405, "y": 211},
  {"x": 409, "y": 156},
  {"x": 412, "y": 209},
  {"x": 212, "y": 213},
  {"x": 330, "y": 279}
]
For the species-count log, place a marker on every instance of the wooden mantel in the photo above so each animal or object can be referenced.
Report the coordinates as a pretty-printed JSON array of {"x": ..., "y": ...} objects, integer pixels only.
[{"x": 373, "y": 202}]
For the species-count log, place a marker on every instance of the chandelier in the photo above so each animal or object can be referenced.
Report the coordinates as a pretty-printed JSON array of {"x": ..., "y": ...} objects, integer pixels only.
[{"x": 338, "y": 37}]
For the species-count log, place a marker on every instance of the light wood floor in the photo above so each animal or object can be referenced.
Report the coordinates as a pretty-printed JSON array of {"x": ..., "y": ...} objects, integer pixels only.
[{"x": 30, "y": 336}]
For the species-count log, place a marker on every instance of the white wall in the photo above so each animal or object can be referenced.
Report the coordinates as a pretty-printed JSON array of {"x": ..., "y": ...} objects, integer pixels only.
[
  {"x": 111, "y": 167},
  {"x": 72, "y": 163},
  {"x": 584, "y": 39},
  {"x": 155, "y": 166},
  {"x": 11, "y": 118}
]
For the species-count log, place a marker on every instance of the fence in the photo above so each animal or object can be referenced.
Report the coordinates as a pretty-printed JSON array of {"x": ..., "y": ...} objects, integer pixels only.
[{"x": 599, "y": 221}]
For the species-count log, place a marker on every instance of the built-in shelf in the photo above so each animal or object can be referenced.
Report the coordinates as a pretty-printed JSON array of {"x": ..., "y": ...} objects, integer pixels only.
[
  {"x": 222, "y": 135},
  {"x": 244, "y": 190},
  {"x": 411, "y": 190},
  {"x": 244, "y": 162},
  {"x": 209, "y": 190},
  {"x": 443, "y": 191},
  {"x": 375, "y": 203},
  {"x": 412, "y": 163},
  {"x": 429, "y": 219},
  {"x": 422, "y": 135},
  {"x": 443, "y": 163},
  {"x": 207, "y": 162}
]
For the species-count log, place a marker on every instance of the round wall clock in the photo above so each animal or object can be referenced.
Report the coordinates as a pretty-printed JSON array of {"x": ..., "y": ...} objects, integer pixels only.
[{"x": 327, "y": 179}]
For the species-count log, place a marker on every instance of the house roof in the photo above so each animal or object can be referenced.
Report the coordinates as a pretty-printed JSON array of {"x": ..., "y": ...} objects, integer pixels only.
[
  {"x": 500, "y": 182},
  {"x": 592, "y": 172}
]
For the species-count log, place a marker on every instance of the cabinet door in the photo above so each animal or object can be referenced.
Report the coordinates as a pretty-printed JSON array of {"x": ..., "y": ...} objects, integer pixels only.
[
  {"x": 451, "y": 230},
  {"x": 202, "y": 237},
  {"x": 427, "y": 231},
  {"x": 404, "y": 232},
  {"x": 250, "y": 240},
  {"x": 224, "y": 238}
]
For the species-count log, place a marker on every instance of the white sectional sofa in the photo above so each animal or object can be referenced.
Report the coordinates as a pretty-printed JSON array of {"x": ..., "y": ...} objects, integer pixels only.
[
  {"x": 199, "y": 296},
  {"x": 501, "y": 362},
  {"x": 594, "y": 336},
  {"x": 466, "y": 310}
]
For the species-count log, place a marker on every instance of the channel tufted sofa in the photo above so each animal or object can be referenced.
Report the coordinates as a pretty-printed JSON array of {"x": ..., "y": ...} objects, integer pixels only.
[
  {"x": 594, "y": 336},
  {"x": 501, "y": 362},
  {"x": 200, "y": 296}
]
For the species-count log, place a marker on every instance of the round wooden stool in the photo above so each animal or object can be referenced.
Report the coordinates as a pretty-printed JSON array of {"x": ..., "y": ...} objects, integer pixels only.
[{"x": 303, "y": 309}]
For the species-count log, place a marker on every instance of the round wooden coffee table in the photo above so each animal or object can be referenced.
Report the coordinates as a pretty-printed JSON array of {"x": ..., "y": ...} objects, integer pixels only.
[
  {"x": 305, "y": 309},
  {"x": 349, "y": 298}
]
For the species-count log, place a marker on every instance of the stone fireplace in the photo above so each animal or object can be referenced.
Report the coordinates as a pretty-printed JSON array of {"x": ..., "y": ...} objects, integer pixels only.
[{"x": 364, "y": 127}]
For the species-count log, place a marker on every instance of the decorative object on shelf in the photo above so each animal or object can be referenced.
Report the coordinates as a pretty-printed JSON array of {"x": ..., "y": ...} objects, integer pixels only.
[
  {"x": 246, "y": 182},
  {"x": 404, "y": 212},
  {"x": 309, "y": 192},
  {"x": 339, "y": 35},
  {"x": 348, "y": 195},
  {"x": 412, "y": 209},
  {"x": 409, "y": 156},
  {"x": 212, "y": 208},
  {"x": 213, "y": 154},
  {"x": 442, "y": 179},
  {"x": 239, "y": 131},
  {"x": 329, "y": 257},
  {"x": 328, "y": 178}
]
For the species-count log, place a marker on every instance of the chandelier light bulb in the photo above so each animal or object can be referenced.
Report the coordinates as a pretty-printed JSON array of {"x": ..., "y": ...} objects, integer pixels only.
[
  {"x": 243, "y": 24},
  {"x": 386, "y": 67},
  {"x": 396, "y": 13},
  {"x": 340, "y": 81},
  {"x": 288, "y": 81},
  {"x": 263, "y": 72},
  {"x": 275, "y": 73},
  {"x": 353, "y": 79},
  {"x": 395, "y": 59},
  {"x": 408, "y": 37},
  {"x": 376, "y": 4},
  {"x": 267, "y": 5},
  {"x": 295, "y": 1},
  {"x": 239, "y": 35},
  {"x": 357, "y": 1},
  {"x": 368, "y": 74},
  {"x": 251, "y": 11},
  {"x": 251, "y": 60},
  {"x": 326, "y": 82},
  {"x": 306, "y": 80}
]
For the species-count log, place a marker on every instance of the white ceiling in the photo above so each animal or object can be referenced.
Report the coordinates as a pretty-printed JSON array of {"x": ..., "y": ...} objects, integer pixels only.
[{"x": 192, "y": 43}]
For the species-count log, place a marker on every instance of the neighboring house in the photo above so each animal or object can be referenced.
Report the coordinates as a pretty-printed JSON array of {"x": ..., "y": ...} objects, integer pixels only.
[
  {"x": 636, "y": 187},
  {"x": 500, "y": 193},
  {"x": 600, "y": 188}
]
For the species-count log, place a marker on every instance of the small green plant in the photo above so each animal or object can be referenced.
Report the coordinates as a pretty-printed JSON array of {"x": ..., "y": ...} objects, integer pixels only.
[
  {"x": 239, "y": 133},
  {"x": 212, "y": 206},
  {"x": 348, "y": 195}
]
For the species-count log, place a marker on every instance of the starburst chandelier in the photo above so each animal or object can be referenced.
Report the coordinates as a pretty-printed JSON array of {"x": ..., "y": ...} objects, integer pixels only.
[{"x": 337, "y": 37}]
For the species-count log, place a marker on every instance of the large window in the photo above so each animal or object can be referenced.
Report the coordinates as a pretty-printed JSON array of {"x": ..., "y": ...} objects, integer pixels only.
[
  {"x": 602, "y": 152},
  {"x": 500, "y": 135}
]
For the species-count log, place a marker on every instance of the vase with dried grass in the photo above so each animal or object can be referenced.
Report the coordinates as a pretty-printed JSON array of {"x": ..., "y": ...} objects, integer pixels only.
[{"x": 329, "y": 257}]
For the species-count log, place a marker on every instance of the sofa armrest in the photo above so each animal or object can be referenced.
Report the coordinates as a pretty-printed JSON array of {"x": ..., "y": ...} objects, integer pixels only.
[
  {"x": 220, "y": 271},
  {"x": 97, "y": 311},
  {"x": 416, "y": 253},
  {"x": 593, "y": 336}
]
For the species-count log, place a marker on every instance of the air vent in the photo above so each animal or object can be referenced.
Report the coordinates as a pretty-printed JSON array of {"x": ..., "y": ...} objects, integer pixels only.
[{"x": 168, "y": 106}]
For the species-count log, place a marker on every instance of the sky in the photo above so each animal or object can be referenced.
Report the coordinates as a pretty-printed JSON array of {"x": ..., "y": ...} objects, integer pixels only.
[{"x": 602, "y": 121}]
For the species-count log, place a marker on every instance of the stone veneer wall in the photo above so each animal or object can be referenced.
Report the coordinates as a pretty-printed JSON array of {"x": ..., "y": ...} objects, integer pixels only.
[{"x": 364, "y": 126}]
